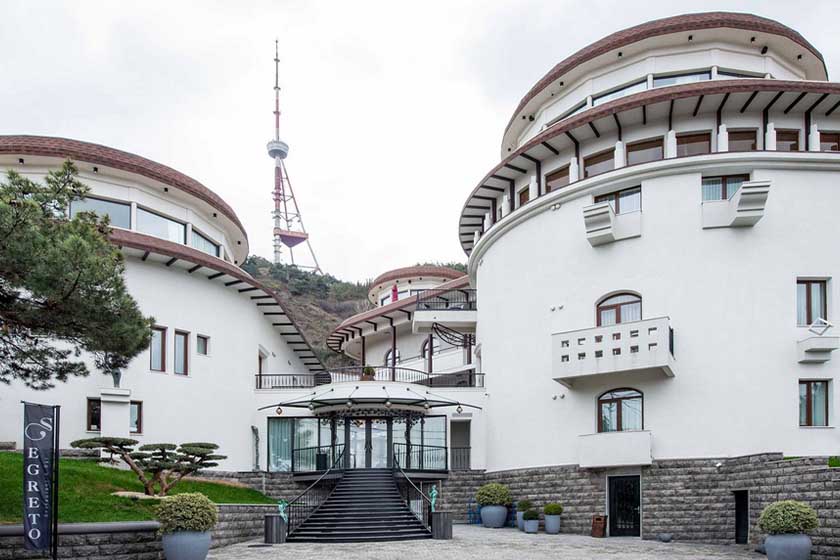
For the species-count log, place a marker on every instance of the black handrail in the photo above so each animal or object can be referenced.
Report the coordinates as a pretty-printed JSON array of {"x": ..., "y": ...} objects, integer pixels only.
[
  {"x": 460, "y": 458},
  {"x": 314, "y": 458},
  {"x": 466, "y": 378},
  {"x": 418, "y": 457},
  {"x": 447, "y": 300},
  {"x": 416, "y": 500},
  {"x": 307, "y": 502}
]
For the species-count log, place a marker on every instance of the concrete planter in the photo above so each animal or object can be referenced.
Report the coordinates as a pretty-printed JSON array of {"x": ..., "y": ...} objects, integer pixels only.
[
  {"x": 520, "y": 521},
  {"x": 532, "y": 526},
  {"x": 186, "y": 545},
  {"x": 494, "y": 517},
  {"x": 552, "y": 524},
  {"x": 788, "y": 547}
]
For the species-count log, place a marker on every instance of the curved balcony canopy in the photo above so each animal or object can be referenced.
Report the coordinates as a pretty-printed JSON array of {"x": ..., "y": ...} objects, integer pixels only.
[{"x": 802, "y": 99}]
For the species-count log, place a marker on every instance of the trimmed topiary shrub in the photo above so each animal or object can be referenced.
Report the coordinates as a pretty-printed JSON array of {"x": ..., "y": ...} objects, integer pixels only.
[
  {"x": 531, "y": 515},
  {"x": 788, "y": 517},
  {"x": 187, "y": 512},
  {"x": 524, "y": 505},
  {"x": 493, "y": 494},
  {"x": 553, "y": 509}
]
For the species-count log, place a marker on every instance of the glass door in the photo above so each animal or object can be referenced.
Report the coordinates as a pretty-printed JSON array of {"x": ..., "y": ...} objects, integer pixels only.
[
  {"x": 378, "y": 443},
  {"x": 357, "y": 444}
]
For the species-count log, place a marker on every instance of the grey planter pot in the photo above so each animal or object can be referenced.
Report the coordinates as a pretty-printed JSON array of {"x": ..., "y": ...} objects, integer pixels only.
[
  {"x": 788, "y": 547},
  {"x": 493, "y": 517},
  {"x": 532, "y": 526},
  {"x": 186, "y": 545},
  {"x": 520, "y": 520},
  {"x": 552, "y": 524}
]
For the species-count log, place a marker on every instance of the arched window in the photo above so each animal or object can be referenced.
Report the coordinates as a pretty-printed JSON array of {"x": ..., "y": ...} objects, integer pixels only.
[
  {"x": 388, "y": 357},
  {"x": 424, "y": 348},
  {"x": 620, "y": 308},
  {"x": 620, "y": 410}
]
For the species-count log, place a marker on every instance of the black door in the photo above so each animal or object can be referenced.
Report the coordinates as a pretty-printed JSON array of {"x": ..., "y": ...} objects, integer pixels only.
[
  {"x": 742, "y": 516},
  {"x": 624, "y": 496}
]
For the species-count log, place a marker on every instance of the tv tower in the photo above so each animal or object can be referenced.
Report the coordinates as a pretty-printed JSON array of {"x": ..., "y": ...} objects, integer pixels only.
[{"x": 288, "y": 224}]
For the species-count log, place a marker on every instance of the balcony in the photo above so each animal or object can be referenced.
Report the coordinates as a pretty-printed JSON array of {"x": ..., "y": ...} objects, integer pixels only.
[
  {"x": 640, "y": 346},
  {"x": 614, "y": 449},
  {"x": 356, "y": 374},
  {"x": 744, "y": 209},
  {"x": 817, "y": 349},
  {"x": 604, "y": 226},
  {"x": 455, "y": 309}
]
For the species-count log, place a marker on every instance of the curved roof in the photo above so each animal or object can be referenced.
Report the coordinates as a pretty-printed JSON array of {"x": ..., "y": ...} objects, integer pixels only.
[
  {"x": 802, "y": 96},
  {"x": 117, "y": 159},
  {"x": 665, "y": 26},
  {"x": 415, "y": 271}
]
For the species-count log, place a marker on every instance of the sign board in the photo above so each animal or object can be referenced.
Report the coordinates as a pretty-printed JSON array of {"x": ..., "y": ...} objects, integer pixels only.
[{"x": 40, "y": 476}]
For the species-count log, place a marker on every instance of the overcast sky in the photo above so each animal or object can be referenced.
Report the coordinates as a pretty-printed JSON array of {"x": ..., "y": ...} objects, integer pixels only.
[{"x": 393, "y": 110}]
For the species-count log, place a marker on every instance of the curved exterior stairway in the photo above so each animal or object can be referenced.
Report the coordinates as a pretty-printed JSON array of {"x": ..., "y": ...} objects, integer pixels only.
[{"x": 366, "y": 506}]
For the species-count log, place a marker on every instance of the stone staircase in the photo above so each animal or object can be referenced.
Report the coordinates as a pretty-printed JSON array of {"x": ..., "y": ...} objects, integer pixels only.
[{"x": 366, "y": 506}]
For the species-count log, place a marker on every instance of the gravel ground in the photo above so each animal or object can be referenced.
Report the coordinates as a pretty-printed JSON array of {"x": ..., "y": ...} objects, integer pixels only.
[{"x": 474, "y": 542}]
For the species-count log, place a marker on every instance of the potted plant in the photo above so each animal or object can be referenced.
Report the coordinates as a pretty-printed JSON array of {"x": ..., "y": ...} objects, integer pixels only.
[
  {"x": 787, "y": 523},
  {"x": 493, "y": 499},
  {"x": 185, "y": 523},
  {"x": 368, "y": 374},
  {"x": 532, "y": 521},
  {"x": 521, "y": 507},
  {"x": 552, "y": 514}
]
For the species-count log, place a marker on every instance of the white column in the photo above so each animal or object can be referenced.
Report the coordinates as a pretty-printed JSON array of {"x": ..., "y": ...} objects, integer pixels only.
[
  {"x": 475, "y": 238},
  {"x": 814, "y": 138},
  {"x": 505, "y": 205},
  {"x": 487, "y": 221},
  {"x": 722, "y": 139},
  {"x": 714, "y": 72},
  {"x": 134, "y": 216},
  {"x": 770, "y": 137},
  {"x": 619, "y": 156},
  {"x": 533, "y": 192},
  {"x": 574, "y": 170},
  {"x": 189, "y": 233},
  {"x": 115, "y": 414},
  {"x": 650, "y": 81},
  {"x": 671, "y": 144}
]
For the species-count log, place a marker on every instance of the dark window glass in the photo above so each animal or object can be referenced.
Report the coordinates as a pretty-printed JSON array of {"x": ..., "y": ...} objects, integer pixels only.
[
  {"x": 599, "y": 163},
  {"x": 729, "y": 75},
  {"x": 203, "y": 243},
  {"x": 694, "y": 144},
  {"x": 181, "y": 356},
  {"x": 813, "y": 403},
  {"x": 280, "y": 435},
  {"x": 742, "y": 141},
  {"x": 722, "y": 188},
  {"x": 829, "y": 141},
  {"x": 787, "y": 140},
  {"x": 620, "y": 308},
  {"x": 136, "y": 420},
  {"x": 94, "y": 415},
  {"x": 643, "y": 152},
  {"x": 202, "y": 345},
  {"x": 810, "y": 301},
  {"x": 159, "y": 226},
  {"x": 157, "y": 349},
  {"x": 119, "y": 213},
  {"x": 659, "y": 81},
  {"x": 620, "y": 410},
  {"x": 557, "y": 179},
  {"x": 621, "y": 92},
  {"x": 623, "y": 202},
  {"x": 524, "y": 195}
]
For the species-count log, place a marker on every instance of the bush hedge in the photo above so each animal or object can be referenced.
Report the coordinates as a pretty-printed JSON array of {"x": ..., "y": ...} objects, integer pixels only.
[
  {"x": 524, "y": 505},
  {"x": 531, "y": 515},
  {"x": 553, "y": 509},
  {"x": 187, "y": 512},
  {"x": 493, "y": 494},
  {"x": 788, "y": 516}
]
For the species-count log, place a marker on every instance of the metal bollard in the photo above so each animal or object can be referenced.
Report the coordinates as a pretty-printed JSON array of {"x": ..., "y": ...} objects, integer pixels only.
[{"x": 275, "y": 528}]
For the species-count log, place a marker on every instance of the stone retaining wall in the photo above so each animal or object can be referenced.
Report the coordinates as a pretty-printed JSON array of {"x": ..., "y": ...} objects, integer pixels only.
[
  {"x": 275, "y": 485},
  {"x": 238, "y": 523}
]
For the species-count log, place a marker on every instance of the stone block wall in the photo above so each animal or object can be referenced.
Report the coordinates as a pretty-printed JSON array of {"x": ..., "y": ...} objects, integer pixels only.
[
  {"x": 273, "y": 485},
  {"x": 238, "y": 523},
  {"x": 92, "y": 541}
]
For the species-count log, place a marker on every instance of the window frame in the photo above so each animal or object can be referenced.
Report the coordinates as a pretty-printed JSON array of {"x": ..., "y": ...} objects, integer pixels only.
[
  {"x": 754, "y": 132},
  {"x": 562, "y": 171},
  {"x": 601, "y": 157},
  {"x": 164, "y": 333},
  {"x": 88, "y": 414},
  {"x": 617, "y": 306},
  {"x": 206, "y": 340},
  {"x": 807, "y": 282},
  {"x": 600, "y": 400},
  {"x": 108, "y": 200},
  {"x": 784, "y": 131},
  {"x": 615, "y": 198},
  {"x": 809, "y": 407},
  {"x": 836, "y": 140},
  {"x": 186, "y": 364},
  {"x": 184, "y": 241},
  {"x": 139, "y": 430},
  {"x": 708, "y": 136},
  {"x": 524, "y": 196},
  {"x": 388, "y": 357},
  {"x": 207, "y": 239},
  {"x": 724, "y": 189},
  {"x": 641, "y": 145},
  {"x": 622, "y": 91},
  {"x": 681, "y": 75}
]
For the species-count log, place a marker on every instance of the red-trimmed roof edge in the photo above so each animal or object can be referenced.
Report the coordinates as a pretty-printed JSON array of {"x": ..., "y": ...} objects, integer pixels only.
[{"x": 415, "y": 271}]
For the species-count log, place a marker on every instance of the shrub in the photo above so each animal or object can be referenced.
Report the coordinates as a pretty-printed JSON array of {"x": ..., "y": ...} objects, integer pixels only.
[
  {"x": 186, "y": 512},
  {"x": 531, "y": 515},
  {"x": 788, "y": 516},
  {"x": 524, "y": 505},
  {"x": 493, "y": 494},
  {"x": 553, "y": 509},
  {"x": 834, "y": 462}
]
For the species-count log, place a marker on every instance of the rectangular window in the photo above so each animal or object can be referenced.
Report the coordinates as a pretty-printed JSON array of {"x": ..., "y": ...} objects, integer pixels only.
[
  {"x": 722, "y": 188},
  {"x": 787, "y": 140},
  {"x": 118, "y": 212},
  {"x": 813, "y": 403},
  {"x": 280, "y": 435},
  {"x": 203, "y": 243},
  {"x": 742, "y": 141},
  {"x": 157, "y": 225},
  {"x": 829, "y": 141},
  {"x": 730, "y": 75},
  {"x": 675, "y": 79},
  {"x": 694, "y": 144},
  {"x": 157, "y": 349},
  {"x": 182, "y": 345},
  {"x": 136, "y": 419},
  {"x": 810, "y": 301},
  {"x": 94, "y": 415},
  {"x": 625, "y": 201},
  {"x": 599, "y": 163},
  {"x": 557, "y": 179},
  {"x": 524, "y": 194},
  {"x": 202, "y": 345},
  {"x": 643, "y": 152},
  {"x": 621, "y": 92}
]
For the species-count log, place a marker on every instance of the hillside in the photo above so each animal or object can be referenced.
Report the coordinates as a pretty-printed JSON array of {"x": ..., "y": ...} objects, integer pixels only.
[{"x": 317, "y": 302}]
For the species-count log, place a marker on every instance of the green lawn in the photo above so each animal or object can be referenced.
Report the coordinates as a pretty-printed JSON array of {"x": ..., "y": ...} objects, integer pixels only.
[{"x": 86, "y": 487}]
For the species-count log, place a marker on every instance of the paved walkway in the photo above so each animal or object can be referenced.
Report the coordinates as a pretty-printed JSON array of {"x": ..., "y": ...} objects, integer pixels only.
[{"x": 473, "y": 542}]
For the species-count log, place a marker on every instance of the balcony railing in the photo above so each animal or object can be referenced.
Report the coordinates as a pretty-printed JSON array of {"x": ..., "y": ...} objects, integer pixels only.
[
  {"x": 421, "y": 457},
  {"x": 318, "y": 458},
  {"x": 354, "y": 374},
  {"x": 447, "y": 300},
  {"x": 637, "y": 346},
  {"x": 460, "y": 458}
]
